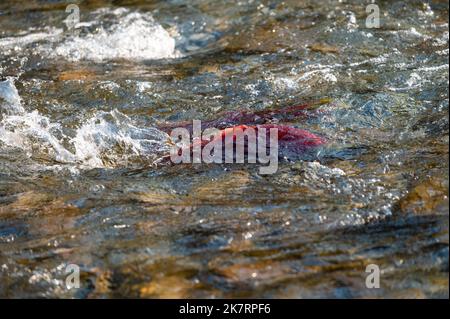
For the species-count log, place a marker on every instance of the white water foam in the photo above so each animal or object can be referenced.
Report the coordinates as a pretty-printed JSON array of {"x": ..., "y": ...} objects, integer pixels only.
[
  {"x": 24, "y": 39},
  {"x": 135, "y": 36},
  {"x": 29, "y": 130},
  {"x": 10, "y": 102},
  {"x": 108, "y": 139},
  {"x": 126, "y": 35}
]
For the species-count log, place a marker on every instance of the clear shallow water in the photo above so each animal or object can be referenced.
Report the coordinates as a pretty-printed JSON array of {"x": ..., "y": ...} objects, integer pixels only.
[{"x": 78, "y": 118}]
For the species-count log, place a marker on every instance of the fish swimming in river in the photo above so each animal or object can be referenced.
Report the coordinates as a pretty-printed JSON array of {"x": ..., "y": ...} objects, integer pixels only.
[{"x": 231, "y": 127}]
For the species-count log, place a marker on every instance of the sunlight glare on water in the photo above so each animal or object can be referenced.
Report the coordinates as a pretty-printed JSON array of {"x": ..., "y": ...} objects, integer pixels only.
[{"x": 81, "y": 147}]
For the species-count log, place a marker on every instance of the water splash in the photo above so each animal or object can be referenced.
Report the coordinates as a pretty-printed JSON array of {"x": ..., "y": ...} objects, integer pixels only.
[
  {"x": 29, "y": 130},
  {"x": 30, "y": 36},
  {"x": 10, "y": 101},
  {"x": 110, "y": 138},
  {"x": 107, "y": 139},
  {"x": 137, "y": 37}
]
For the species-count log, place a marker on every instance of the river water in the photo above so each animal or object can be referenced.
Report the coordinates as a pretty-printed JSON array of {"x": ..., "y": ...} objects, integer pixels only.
[{"x": 79, "y": 111}]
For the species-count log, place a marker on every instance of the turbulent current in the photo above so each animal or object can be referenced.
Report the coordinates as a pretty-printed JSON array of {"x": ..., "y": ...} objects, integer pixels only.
[{"x": 83, "y": 93}]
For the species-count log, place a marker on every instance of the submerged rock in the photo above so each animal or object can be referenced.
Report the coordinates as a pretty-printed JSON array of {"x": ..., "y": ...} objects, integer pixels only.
[{"x": 428, "y": 197}]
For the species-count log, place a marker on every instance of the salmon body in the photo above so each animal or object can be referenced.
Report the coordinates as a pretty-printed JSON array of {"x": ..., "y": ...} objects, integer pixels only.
[{"x": 243, "y": 135}]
